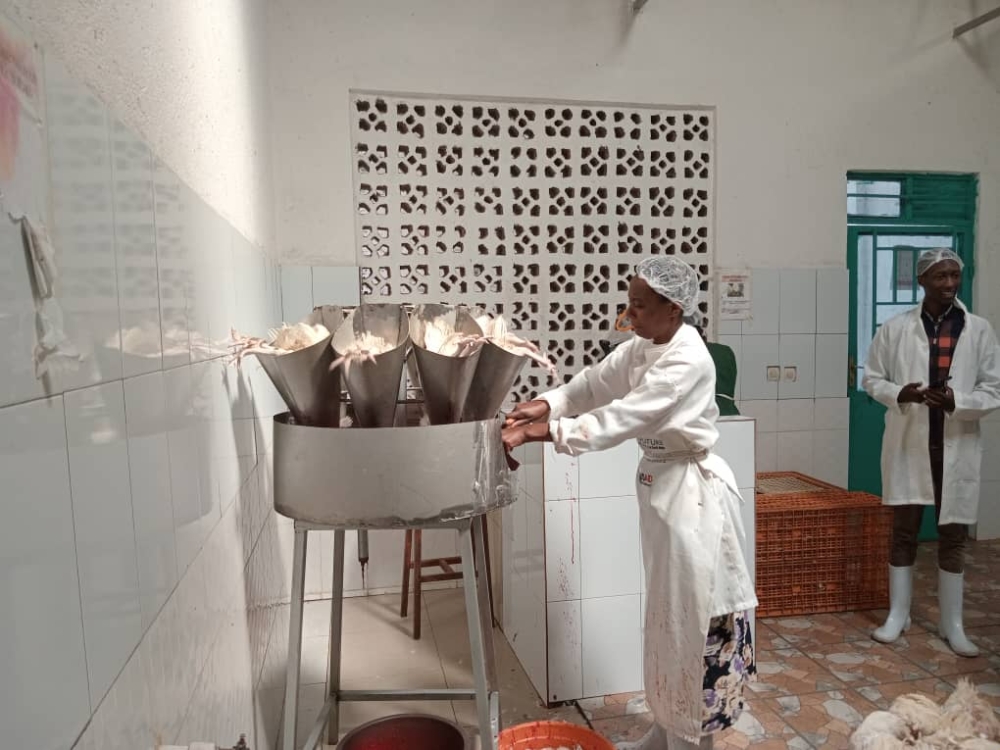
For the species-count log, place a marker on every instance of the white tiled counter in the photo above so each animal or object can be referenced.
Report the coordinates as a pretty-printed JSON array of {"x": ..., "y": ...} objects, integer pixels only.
[{"x": 573, "y": 585}]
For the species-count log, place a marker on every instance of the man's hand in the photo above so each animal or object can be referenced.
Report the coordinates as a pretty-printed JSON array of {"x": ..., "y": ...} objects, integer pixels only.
[
  {"x": 940, "y": 398},
  {"x": 913, "y": 393},
  {"x": 528, "y": 413}
]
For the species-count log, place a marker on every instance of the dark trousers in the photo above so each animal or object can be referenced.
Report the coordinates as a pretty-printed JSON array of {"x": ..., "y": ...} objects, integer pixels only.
[{"x": 906, "y": 526}]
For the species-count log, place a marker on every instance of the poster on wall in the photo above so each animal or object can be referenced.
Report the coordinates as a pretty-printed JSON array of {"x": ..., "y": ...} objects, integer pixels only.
[
  {"x": 18, "y": 65},
  {"x": 22, "y": 162},
  {"x": 734, "y": 295}
]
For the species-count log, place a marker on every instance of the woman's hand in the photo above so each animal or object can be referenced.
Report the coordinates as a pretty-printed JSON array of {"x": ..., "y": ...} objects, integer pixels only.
[
  {"x": 528, "y": 413},
  {"x": 515, "y": 437}
]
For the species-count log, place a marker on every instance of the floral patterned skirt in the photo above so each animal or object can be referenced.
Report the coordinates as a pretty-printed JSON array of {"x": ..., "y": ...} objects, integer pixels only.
[{"x": 729, "y": 665}]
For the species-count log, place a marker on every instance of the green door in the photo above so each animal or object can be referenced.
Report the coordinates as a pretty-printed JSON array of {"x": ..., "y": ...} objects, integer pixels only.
[{"x": 882, "y": 261}]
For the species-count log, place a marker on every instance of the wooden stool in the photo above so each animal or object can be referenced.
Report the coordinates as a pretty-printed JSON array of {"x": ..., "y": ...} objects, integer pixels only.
[{"x": 414, "y": 562}]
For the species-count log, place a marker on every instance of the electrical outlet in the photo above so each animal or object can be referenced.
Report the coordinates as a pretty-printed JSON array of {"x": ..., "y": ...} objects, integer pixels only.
[
  {"x": 791, "y": 374},
  {"x": 773, "y": 374}
]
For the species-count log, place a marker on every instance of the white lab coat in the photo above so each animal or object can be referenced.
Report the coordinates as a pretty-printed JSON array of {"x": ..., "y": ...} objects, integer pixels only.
[
  {"x": 692, "y": 533},
  {"x": 900, "y": 354}
]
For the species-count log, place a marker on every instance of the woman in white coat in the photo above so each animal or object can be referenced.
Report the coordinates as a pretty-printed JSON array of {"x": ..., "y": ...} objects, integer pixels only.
[
  {"x": 937, "y": 370},
  {"x": 659, "y": 388}
]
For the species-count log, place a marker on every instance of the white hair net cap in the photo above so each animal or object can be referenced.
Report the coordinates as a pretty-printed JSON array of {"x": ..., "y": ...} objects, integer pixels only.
[
  {"x": 672, "y": 278},
  {"x": 930, "y": 258}
]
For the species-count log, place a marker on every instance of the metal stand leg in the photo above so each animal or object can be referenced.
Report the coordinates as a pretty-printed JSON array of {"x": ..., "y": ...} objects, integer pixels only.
[
  {"x": 295, "y": 639},
  {"x": 418, "y": 581},
  {"x": 480, "y": 670},
  {"x": 483, "y": 594},
  {"x": 404, "y": 598},
  {"x": 336, "y": 637}
]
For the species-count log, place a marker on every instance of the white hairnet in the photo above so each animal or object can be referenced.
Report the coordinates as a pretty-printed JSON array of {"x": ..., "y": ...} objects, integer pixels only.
[
  {"x": 672, "y": 278},
  {"x": 930, "y": 258}
]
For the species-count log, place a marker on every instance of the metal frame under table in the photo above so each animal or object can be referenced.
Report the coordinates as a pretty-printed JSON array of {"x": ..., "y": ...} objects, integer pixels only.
[{"x": 480, "y": 617}]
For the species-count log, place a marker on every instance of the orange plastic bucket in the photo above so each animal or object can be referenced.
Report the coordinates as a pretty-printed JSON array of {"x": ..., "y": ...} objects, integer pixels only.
[{"x": 542, "y": 735}]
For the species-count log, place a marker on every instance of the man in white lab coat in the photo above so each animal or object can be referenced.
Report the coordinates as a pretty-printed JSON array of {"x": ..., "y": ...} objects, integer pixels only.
[{"x": 937, "y": 370}]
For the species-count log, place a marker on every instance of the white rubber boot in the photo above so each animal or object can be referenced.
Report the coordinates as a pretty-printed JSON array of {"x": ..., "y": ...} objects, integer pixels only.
[
  {"x": 654, "y": 739},
  {"x": 950, "y": 588},
  {"x": 900, "y": 596}
]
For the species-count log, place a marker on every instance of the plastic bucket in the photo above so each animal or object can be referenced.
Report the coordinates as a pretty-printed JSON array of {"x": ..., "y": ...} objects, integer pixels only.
[{"x": 550, "y": 735}]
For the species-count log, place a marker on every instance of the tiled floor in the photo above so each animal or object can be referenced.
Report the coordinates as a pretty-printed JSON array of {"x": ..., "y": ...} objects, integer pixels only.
[{"x": 819, "y": 675}]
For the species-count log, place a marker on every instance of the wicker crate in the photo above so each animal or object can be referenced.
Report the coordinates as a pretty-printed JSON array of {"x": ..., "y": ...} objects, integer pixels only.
[
  {"x": 825, "y": 551},
  {"x": 791, "y": 482}
]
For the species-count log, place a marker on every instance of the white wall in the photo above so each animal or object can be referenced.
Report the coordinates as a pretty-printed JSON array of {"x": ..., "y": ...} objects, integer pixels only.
[
  {"x": 189, "y": 76},
  {"x": 142, "y": 567},
  {"x": 805, "y": 91}
]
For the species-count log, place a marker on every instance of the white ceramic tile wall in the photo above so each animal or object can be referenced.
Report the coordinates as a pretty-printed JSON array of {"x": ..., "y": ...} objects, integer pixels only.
[
  {"x": 758, "y": 353},
  {"x": 565, "y": 657},
  {"x": 765, "y": 293},
  {"x": 105, "y": 532},
  {"x": 832, "y": 300},
  {"x": 831, "y": 365},
  {"x": 336, "y": 285},
  {"x": 797, "y": 301},
  {"x": 612, "y": 650},
  {"x": 609, "y": 533},
  {"x": 609, "y": 473},
  {"x": 42, "y": 652},
  {"x": 798, "y": 352},
  {"x": 304, "y": 287},
  {"x": 296, "y": 292},
  {"x": 141, "y": 551},
  {"x": 526, "y": 524}
]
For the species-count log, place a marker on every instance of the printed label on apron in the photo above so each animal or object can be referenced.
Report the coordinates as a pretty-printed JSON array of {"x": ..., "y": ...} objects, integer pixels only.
[{"x": 645, "y": 479}]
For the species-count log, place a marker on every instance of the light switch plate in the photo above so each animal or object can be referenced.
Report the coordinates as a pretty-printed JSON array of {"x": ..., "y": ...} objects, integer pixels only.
[
  {"x": 791, "y": 374},
  {"x": 773, "y": 374}
]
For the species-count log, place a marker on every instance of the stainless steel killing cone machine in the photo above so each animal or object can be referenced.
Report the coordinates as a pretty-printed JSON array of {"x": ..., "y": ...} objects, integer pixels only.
[{"x": 428, "y": 456}]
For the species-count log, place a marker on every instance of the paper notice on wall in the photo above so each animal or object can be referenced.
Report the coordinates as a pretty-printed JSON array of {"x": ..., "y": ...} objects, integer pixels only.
[
  {"x": 22, "y": 154},
  {"x": 734, "y": 295},
  {"x": 18, "y": 66}
]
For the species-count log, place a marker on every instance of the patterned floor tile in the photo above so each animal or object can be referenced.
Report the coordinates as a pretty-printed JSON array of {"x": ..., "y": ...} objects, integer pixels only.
[
  {"x": 623, "y": 728},
  {"x": 790, "y": 672},
  {"x": 824, "y": 720},
  {"x": 987, "y": 638},
  {"x": 883, "y": 695},
  {"x": 931, "y": 653},
  {"x": 870, "y": 619},
  {"x": 768, "y": 640},
  {"x": 865, "y": 663},
  {"x": 814, "y": 630},
  {"x": 760, "y": 727},
  {"x": 612, "y": 706}
]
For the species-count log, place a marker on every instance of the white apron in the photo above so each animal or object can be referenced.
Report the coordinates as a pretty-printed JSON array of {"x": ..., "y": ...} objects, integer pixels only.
[{"x": 692, "y": 532}]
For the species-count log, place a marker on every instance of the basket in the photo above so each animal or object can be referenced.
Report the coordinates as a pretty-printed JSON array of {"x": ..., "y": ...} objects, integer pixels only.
[
  {"x": 546, "y": 735},
  {"x": 823, "y": 551},
  {"x": 791, "y": 482}
]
